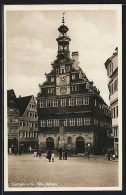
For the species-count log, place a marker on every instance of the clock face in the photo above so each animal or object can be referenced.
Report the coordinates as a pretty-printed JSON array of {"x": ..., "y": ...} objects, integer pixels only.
[{"x": 63, "y": 90}]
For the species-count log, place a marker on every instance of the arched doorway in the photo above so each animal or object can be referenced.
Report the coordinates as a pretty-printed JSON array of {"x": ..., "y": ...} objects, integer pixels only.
[
  {"x": 80, "y": 144},
  {"x": 50, "y": 143}
]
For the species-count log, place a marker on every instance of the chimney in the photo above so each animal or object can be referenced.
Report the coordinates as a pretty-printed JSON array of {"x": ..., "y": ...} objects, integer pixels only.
[
  {"x": 19, "y": 96},
  {"x": 75, "y": 58}
]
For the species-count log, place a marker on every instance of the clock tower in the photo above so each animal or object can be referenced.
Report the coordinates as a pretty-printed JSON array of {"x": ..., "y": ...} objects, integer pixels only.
[{"x": 62, "y": 65}]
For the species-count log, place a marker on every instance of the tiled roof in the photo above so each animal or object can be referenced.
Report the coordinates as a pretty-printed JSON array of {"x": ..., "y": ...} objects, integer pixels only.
[{"x": 22, "y": 103}]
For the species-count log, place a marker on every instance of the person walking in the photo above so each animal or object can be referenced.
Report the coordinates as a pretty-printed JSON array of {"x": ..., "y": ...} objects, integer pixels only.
[
  {"x": 49, "y": 155},
  {"x": 109, "y": 154},
  {"x": 52, "y": 156},
  {"x": 60, "y": 154},
  {"x": 65, "y": 155}
]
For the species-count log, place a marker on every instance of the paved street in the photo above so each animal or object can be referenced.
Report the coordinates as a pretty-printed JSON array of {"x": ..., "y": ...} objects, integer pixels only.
[{"x": 29, "y": 171}]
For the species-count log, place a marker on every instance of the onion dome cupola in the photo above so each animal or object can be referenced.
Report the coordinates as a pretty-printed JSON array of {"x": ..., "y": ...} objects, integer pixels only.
[{"x": 63, "y": 42}]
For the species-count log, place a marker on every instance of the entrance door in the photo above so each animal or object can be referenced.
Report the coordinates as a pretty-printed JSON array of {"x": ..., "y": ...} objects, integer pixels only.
[
  {"x": 80, "y": 144},
  {"x": 50, "y": 143}
]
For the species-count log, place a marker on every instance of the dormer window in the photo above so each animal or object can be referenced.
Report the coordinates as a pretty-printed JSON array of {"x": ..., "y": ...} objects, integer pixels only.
[
  {"x": 51, "y": 79},
  {"x": 51, "y": 90},
  {"x": 62, "y": 69}
]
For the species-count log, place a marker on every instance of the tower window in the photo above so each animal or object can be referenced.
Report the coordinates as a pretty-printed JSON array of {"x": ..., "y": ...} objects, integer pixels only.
[
  {"x": 51, "y": 79},
  {"x": 62, "y": 71},
  {"x": 51, "y": 90},
  {"x": 73, "y": 76}
]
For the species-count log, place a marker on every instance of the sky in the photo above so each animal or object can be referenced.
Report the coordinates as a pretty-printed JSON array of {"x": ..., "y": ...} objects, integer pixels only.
[{"x": 32, "y": 46}]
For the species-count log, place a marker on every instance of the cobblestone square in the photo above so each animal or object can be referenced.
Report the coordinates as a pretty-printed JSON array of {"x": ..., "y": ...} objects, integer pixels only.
[{"x": 29, "y": 171}]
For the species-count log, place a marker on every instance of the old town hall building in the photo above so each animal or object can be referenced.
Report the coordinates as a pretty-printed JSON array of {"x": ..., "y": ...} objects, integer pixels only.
[{"x": 71, "y": 112}]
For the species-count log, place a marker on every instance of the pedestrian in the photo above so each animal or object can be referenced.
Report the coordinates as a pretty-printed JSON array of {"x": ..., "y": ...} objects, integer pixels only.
[
  {"x": 49, "y": 155},
  {"x": 52, "y": 156},
  {"x": 109, "y": 154},
  {"x": 65, "y": 155},
  {"x": 15, "y": 151},
  {"x": 60, "y": 154},
  {"x": 9, "y": 150}
]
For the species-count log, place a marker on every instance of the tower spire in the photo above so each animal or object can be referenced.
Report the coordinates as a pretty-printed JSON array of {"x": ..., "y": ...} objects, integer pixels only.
[{"x": 63, "y": 21}]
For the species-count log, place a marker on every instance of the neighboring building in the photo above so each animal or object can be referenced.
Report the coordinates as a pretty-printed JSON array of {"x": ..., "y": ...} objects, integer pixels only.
[
  {"x": 111, "y": 66},
  {"x": 28, "y": 124},
  {"x": 13, "y": 120},
  {"x": 71, "y": 112},
  {"x": 22, "y": 122}
]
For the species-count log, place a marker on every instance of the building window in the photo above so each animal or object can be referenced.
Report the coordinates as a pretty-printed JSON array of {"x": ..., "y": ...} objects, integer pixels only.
[
  {"x": 73, "y": 77},
  {"x": 56, "y": 122},
  {"x": 51, "y": 90},
  {"x": 63, "y": 102},
  {"x": 30, "y": 134},
  {"x": 72, "y": 122},
  {"x": 42, "y": 123},
  {"x": 115, "y": 85},
  {"x": 16, "y": 120},
  {"x": 32, "y": 125},
  {"x": 49, "y": 123},
  {"x": 50, "y": 79},
  {"x": 86, "y": 101},
  {"x": 27, "y": 134},
  {"x": 42, "y": 104},
  {"x": 79, "y": 121},
  {"x": 48, "y": 103},
  {"x": 62, "y": 70},
  {"x": 78, "y": 101},
  {"x": 65, "y": 122},
  {"x": 96, "y": 122},
  {"x": 55, "y": 103},
  {"x": 36, "y": 134},
  {"x": 20, "y": 134},
  {"x": 71, "y": 102},
  {"x": 87, "y": 121},
  {"x": 116, "y": 111},
  {"x": 112, "y": 89},
  {"x": 75, "y": 88}
]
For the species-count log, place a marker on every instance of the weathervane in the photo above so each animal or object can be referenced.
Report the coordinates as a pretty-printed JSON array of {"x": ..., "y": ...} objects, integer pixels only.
[{"x": 63, "y": 18}]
